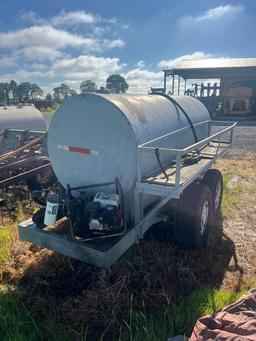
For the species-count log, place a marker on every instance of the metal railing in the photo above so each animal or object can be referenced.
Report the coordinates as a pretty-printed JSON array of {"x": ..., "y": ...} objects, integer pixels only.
[{"x": 177, "y": 154}]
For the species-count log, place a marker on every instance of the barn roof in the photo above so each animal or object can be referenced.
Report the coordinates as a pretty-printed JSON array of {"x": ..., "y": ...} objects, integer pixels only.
[{"x": 215, "y": 68}]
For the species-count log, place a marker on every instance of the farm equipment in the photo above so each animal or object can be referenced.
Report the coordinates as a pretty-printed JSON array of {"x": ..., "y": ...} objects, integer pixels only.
[
  {"x": 238, "y": 101},
  {"x": 23, "y": 157},
  {"x": 125, "y": 163}
]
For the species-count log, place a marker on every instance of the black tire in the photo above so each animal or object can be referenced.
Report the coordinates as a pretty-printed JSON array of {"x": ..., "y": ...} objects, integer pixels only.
[
  {"x": 214, "y": 179},
  {"x": 191, "y": 230}
]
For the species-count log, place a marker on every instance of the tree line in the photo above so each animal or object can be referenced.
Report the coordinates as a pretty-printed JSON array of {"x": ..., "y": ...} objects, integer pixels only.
[{"x": 12, "y": 93}]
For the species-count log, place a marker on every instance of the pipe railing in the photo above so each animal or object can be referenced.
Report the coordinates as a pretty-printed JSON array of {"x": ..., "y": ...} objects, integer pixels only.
[{"x": 177, "y": 154}]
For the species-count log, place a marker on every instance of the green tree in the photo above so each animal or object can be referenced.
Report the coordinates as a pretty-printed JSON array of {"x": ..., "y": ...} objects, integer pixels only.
[
  {"x": 48, "y": 97},
  {"x": 28, "y": 90},
  {"x": 8, "y": 91},
  {"x": 116, "y": 83},
  {"x": 3, "y": 93},
  {"x": 23, "y": 90},
  {"x": 62, "y": 92},
  {"x": 35, "y": 91},
  {"x": 12, "y": 90},
  {"x": 88, "y": 87}
]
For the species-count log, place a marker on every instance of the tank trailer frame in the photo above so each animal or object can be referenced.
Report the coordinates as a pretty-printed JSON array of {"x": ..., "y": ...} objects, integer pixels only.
[
  {"x": 23, "y": 155},
  {"x": 166, "y": 184}
]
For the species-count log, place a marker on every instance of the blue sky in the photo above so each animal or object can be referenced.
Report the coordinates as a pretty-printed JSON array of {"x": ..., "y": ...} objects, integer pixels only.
[{"x": 53, "y": 41}]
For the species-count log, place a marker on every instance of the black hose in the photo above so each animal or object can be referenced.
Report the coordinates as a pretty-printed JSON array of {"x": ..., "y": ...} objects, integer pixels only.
[
  {"x": 175, "y": 103},
  {"x": 160, "y": 163}
]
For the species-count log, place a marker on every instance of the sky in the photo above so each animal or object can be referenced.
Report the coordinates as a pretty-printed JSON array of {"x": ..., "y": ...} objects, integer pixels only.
[{"x": 53, "y": 41}]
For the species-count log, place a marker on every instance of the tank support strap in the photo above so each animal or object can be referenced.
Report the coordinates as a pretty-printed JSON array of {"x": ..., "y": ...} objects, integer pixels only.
[{"x": 175, "y": 103}]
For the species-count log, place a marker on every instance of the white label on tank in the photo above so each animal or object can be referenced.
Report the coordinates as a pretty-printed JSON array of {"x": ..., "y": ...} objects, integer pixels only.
[
  {"x": 63, "y": 147},
  {"x": 75, "y": 149}
]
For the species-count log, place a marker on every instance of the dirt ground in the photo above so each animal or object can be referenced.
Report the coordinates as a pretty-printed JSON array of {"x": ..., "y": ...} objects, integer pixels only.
[{"x": 150, "y": 276}]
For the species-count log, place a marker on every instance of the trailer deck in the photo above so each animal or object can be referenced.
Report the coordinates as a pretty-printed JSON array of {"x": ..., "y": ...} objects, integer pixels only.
[
  {"x": 105, "y": 252},
  {"x": 208, "y": 153}
]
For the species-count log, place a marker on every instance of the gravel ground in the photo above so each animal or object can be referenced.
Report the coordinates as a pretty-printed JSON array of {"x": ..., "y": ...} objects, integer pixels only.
[
  {"x": 244, "y": 142},
  {"x": 245, "y": 136}
]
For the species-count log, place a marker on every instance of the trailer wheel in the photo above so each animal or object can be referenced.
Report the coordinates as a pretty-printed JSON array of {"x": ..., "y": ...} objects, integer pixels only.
[
  {"x": 194, "y": 216},
  {"x": 213, "y": 178}
]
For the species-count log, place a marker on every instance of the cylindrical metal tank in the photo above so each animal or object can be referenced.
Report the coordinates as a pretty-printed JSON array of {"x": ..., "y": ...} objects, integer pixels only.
[
  {"x": 93, "y": 138},
  {"x": 21, "y": 117}
]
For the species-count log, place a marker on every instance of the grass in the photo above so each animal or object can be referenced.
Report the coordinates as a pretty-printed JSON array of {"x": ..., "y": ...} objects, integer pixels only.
[
  {"x": 8, "y": 234},
  {"x": 181, "y": 317},
  {"x": 18, "y": 322},
  {"x": 48, "y": 113},
  {"x": 243, "y": 190},
  {"x": 6, "y": 239}
]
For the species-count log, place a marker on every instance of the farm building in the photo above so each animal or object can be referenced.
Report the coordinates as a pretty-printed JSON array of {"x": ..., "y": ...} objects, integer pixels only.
[{"x": 225, "y": 85}]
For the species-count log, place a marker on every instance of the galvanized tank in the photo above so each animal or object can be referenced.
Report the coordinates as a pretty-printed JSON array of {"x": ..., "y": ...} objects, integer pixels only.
[
  {"x": 93, "y": 138},
  {"x": 21, "y": 117}
]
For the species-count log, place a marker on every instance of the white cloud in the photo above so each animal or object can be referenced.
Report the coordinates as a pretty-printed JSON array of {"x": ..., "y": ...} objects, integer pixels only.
[
  {"x": 64, "y": 18},
  {"x": 71, "y": 70},
  {"x": 214, "y": 14},
  {"x": 38, "y": 66},
  {"x": 176, "y": 62},
  {"x": 73, "y": 18},
  {"x": 219, "y": 12},
  {"x": 125, "y": 26},
  {"x": 31, "y": 16},
  {"x": 46, "y": 36},
  {"x": 74, "y": 70},
  {"x": 7, "y": 61},
  {"x": 45, "y": 42},
  {"x": 110, "y": 44},
  {"x": 140, "y": 64},
  {"x": 50, "y": 39},
  {"x": 98, "y": 31},
  {"x": 86, "y": 67},
  {"x": 140, "y": 81},
  {"x": 84, "y": 62},
  {"x": 25, "y": 75},
  {"x": 38, "y": 53}
]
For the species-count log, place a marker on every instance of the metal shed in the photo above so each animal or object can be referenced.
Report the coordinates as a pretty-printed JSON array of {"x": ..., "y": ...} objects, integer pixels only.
[{"x": 227, "y": 73}]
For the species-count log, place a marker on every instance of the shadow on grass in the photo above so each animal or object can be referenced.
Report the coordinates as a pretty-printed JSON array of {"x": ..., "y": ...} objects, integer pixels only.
[
  {"x": 17, "y": 322},
  {"x": 148, "y": 284}
]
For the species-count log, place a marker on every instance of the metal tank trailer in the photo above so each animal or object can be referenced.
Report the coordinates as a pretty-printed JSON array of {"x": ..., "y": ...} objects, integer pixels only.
[
  {"x": 23, "y": 153},
  {"x": 125, "y": 163},
  {"x": 22, "y": 117}
]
